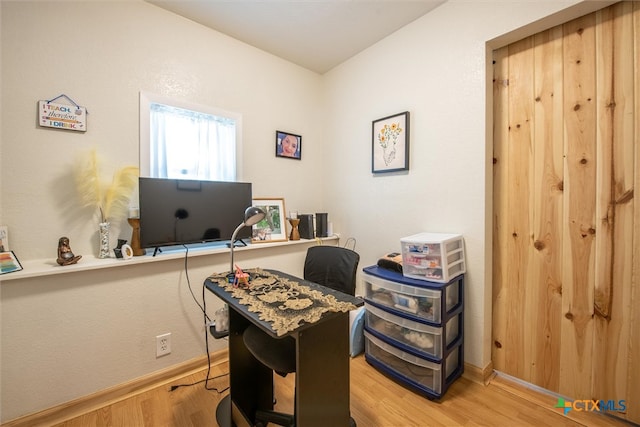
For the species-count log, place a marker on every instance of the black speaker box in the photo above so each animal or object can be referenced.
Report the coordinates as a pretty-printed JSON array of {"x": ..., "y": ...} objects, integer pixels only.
[
  {"x": 322, "y": 226},
  {"x": 306, "y": 226}
]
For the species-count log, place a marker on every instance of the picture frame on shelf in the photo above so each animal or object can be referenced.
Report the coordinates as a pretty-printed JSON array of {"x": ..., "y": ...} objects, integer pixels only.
[
  {"x": 4, "y": 238},
  {"x": 272, "y": 228},
  {"x": 9, "y": 262},
  {"x": 288, "y": 145},
  {"x": 390, "y": 143}
]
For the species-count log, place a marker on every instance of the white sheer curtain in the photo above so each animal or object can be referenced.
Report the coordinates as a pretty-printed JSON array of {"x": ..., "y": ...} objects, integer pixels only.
[{"x": 188, "y": 144}]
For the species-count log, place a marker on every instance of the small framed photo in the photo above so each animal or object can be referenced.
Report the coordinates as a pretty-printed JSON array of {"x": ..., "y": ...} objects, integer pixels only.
[
  {"x": 273, "y": 227},
  {"x": 288, "y": 145},
  {"x": 4, "y": 238},
  {"x": 390, "y": 143},
  {"x": 9, "y": 262}
]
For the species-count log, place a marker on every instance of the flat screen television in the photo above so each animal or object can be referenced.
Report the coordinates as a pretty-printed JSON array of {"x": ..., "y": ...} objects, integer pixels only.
[{"x": 177, "y": 212}]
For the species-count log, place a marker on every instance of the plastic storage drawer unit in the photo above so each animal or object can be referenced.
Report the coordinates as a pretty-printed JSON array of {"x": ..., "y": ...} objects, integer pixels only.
[
  {"x": 417, "y": 297},
  {"x": 414, "y": 329},
  {"x": 419, "y": 336},
  {"x": 424, "y": 376},
  {"x": 436, "y": 257}
]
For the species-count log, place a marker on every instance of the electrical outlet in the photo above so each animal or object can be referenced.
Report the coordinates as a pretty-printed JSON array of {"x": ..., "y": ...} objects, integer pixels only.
[{"x": 163, "y": 344}]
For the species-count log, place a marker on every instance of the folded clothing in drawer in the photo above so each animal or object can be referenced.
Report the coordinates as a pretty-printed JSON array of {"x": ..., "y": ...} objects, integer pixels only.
[
  {"x": 421, "y": 337},
  {"x": 421, "y": 302},
  {"x": 422, "y": 299}
]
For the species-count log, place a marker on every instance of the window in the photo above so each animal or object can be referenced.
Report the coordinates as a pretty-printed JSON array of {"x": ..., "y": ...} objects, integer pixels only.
[{"x": 186, "y": 141}]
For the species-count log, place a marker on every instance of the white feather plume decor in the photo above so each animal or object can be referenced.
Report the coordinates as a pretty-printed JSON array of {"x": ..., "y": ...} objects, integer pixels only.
[{"x": 110, "y": 200}]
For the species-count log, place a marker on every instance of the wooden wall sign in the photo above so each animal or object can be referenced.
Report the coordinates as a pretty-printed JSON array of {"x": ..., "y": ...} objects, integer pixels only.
[{"x": 62, "y": 116}]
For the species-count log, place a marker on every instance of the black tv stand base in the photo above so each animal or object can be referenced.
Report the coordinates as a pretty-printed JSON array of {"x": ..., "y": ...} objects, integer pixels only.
[{"x": 236, "y": 243}]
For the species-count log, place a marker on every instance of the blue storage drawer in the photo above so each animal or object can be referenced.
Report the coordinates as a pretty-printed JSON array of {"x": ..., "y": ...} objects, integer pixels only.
[
  {"x": 426, "y": 377},
  {"x": 431, "y": 341},
  {"x": 431, "y": 301}
]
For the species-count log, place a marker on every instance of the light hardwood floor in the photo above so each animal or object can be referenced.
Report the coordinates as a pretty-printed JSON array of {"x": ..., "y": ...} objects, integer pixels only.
[{"x": 376, "y": 401}]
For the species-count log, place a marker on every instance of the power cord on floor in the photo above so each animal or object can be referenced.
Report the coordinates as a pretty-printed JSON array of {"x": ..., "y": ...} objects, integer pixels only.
[
  {"x": 206, "y": 342},
  {"x": 176, "y": 386},
  {"x": 207, "y": 320}
]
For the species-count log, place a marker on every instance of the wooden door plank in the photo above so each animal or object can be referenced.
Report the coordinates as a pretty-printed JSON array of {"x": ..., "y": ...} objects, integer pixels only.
[
  {"x": 500, "y": 204},
  {"x": 633, "y": 382},
  {"x": 579, "y": 208},
  {"x": 614, "y": 207},
  {"x": 546, "y": 244},
  {"x": 519, "y": 193}
]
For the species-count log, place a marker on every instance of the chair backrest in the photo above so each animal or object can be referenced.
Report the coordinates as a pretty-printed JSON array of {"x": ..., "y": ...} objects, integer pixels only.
[{"x": 332, "y": 266}]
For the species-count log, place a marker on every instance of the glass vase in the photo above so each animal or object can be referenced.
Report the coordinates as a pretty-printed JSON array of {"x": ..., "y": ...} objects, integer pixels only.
[{"x": 104, "y": 240}]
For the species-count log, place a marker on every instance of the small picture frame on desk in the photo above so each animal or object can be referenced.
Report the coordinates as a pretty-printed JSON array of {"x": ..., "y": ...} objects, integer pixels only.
[
  {"x": 273, "y": 227},
  {"x": 9, "y": 262}
]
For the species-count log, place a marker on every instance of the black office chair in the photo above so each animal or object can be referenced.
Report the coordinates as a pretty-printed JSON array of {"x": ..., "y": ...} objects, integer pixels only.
[{"x": 331, "y": 266}]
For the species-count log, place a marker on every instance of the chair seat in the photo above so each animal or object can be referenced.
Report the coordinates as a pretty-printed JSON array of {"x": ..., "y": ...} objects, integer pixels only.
[{"x": 277, "y": 354}]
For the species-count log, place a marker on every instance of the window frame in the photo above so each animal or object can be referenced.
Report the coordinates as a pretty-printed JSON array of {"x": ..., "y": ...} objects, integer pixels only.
[{"x": 147, "y": 98}]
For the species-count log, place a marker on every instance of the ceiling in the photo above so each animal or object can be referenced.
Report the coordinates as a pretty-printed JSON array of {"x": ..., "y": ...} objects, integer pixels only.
[{"x": 315, "y": 34}]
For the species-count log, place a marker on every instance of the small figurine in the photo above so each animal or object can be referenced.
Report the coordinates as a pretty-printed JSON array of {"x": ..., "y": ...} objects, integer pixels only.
[
  {"x": 65, "y": 256},
  {"x": 118, "y": 249},
  {"x": 241, "y": 278}
]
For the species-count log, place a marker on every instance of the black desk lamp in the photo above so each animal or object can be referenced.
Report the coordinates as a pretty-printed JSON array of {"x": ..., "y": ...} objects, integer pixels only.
[{"x": 252, "y": 215}]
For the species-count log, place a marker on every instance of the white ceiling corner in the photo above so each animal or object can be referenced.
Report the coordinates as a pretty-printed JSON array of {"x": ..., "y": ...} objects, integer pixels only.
[{"x": 315, "y": 34}]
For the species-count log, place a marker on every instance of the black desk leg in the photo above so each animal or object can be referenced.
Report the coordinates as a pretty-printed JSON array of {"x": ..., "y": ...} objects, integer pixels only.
[
  {"x": 322, "y": 375},
  {"x": 250, "y": 382}
]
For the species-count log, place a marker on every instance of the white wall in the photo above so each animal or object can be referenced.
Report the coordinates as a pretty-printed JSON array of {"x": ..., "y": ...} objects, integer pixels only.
[{"x": 71, "y": 335}]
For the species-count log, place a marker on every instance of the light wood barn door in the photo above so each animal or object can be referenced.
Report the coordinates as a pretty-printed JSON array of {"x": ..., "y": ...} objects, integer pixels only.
[{"x": 566, "y": 257}]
